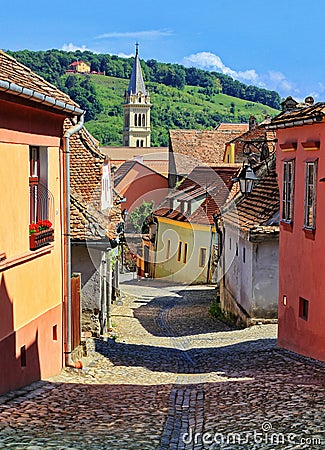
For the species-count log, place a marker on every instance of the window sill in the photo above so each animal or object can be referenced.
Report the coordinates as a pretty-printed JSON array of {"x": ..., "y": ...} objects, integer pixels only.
[
  {"x": 309, "y": 232},
  {"x": 287, "y": 226},
  {"x": 25, "y": 257}
]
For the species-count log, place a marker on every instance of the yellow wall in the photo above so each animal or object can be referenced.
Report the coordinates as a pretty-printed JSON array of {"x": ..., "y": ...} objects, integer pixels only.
[
  {"x": 195, "y": 236},
  {"x": 34, "y": 286},
  {"x": 83, "y": 67},
  {"x": 230, "y": 154}
]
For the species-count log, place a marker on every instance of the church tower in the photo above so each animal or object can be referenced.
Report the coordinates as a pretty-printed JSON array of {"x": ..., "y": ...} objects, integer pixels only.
[{"x": 136, "y": 129}]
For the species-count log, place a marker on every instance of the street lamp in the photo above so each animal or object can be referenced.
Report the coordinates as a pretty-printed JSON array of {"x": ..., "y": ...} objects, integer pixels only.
[{"x": 246, "y": 179}]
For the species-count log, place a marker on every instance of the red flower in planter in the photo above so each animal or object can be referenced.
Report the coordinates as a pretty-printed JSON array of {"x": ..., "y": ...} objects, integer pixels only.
[
  {"x": 33, "y": 228},
  {"x": 39, "y": 226}
]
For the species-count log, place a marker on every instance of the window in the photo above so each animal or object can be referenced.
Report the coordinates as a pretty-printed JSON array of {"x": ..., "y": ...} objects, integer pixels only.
[
  {"x": 244, "y": 254},
  {"x": 55, "y": 332},
  {"x": 287, "y": 193},
  {"x": 143, "y": 120},
  {"x": 23, "y": 359},
  {"x": 168, "y": 249},
  {"x": 185, "y": 253},
  {"x": 179, "y": 252},
  {"x": 136, "y": 121},
  {"x": 303, "y": 308},
  {"x": 41, "y": 201},
  {"x": 310, "y": 195},
  {"x": 202, "y": 256},
  {"x": 236, "y": 249},
  {"x": 229, "y": 243}
]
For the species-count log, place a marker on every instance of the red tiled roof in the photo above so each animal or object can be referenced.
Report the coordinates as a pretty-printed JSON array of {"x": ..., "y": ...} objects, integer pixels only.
[
  {"x": 259, "y": 211},
  {"x": 77, "y": 63},
  {"x": 255, "y": 134},
  {"x": 301, "y": 115},
  {"x": 12, "y": 71},
  {"x": 237, "y": 127},
  {"x": 190, "y": 148},
  {"x": 86, "y": 162},
  {"x": 212, "y": 185}
]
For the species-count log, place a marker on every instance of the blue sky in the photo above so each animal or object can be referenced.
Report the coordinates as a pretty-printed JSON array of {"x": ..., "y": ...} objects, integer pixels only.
[{"x": 276, "y": 44}]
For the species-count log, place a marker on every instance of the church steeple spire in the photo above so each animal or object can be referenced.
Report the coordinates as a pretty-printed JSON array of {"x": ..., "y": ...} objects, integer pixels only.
[
  {"x": 136, "y": 131},
  {"x": 136, "y": 84}
]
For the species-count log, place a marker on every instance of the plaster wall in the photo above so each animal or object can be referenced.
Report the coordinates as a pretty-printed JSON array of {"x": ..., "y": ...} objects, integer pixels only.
[
  {"x": 301, "y": 252},
  {"x": 196, "y": 237},
  {"x": 87, "y": 262}
]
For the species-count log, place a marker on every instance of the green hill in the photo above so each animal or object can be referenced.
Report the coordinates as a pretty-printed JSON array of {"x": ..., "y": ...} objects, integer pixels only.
[
  {"x": 187, "y": 108},
  {"x": 187, "y": 98}
]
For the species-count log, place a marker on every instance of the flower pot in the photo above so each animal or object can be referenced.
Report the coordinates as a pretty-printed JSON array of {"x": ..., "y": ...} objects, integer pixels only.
[{"x": 41, "y": 238}]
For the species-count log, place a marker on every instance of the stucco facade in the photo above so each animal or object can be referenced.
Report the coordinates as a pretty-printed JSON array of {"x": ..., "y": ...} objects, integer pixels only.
[
  {"x": 250, "y": 280},
  {"x": 301, "y": 253},
  {"x": 183, "y": 251},
  {"x": 31, "y": 279}
]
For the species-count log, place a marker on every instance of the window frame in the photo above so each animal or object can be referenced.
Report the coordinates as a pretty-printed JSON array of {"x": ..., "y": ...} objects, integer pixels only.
[
  {"x": 310, "y": 203},
  {"x": 179, "y": 251},
  {"x": 288, "y": 191}
]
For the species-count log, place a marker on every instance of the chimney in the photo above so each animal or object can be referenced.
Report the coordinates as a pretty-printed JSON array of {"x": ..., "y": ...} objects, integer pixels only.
[
  {"x": 289, "y": 104},
  {"x": 252, "y": 123},
  {"x": 309, "y": 101}
]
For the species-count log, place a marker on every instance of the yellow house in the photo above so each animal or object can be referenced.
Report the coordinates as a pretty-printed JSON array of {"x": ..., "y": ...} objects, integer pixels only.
[
  {"x": 79, "y": 67},
  {"x": 185, "y": 239},
  {"x": 32, "y": 252}
]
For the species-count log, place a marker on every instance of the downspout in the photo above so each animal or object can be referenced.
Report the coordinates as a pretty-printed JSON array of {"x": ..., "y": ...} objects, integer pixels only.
[{"x": 66, "y": 149}]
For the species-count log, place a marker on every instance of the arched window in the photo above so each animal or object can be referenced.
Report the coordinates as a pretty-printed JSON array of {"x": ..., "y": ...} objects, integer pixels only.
[
  {"x": 142, "y": 143},
  {"x": 143, "y": 120},
  {"x": 136, "y": 120}
]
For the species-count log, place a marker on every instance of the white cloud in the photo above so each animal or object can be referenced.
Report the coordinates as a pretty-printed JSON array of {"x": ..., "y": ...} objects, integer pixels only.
[
  {"x": 72, "y": 48},
  {"x": 271, "y": 80},
  {"x": 124, "y": 55},
  {"x": 136, "y": 34}
]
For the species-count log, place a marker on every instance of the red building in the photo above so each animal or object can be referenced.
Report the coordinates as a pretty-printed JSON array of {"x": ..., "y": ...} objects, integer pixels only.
[{"x": 300, "y": 130}]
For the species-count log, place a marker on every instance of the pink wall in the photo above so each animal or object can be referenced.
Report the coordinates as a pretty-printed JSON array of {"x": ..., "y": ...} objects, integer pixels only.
[
  {"x": 301, "y": 253},
  {"x": 43, "y": 353},
  {"x": 142, "y": 184}
]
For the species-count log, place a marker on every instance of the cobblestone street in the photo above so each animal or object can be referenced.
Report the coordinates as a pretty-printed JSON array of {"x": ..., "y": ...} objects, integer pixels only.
[{"x": 173, "y": 379}]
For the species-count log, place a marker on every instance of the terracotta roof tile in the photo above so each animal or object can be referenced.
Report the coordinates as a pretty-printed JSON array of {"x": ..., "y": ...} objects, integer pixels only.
[
  {"x": 302, "y": 114},
  {"x": 14, "y": 72},
  {"x": 86, "y": 162},
  {"x": 259, "y": 211},
  {"x": 190, "y": 148},
  {"x": 257, "y": 133},
  {"x": 212, "y": 185}
]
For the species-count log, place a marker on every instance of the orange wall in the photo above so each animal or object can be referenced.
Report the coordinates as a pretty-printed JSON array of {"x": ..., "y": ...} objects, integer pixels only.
[
  {"x": 30, "y": 286},
  {"x": 301, "y": 254}
]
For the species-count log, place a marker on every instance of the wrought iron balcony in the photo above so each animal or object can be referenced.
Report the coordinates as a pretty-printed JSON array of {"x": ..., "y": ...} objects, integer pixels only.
[{"x": 41, "y": 231}]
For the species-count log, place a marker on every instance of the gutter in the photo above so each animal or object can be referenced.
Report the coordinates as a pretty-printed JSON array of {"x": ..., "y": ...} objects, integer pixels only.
[
  {"x": 66, "y": 149},
  {"x": 15, "y": 89}
]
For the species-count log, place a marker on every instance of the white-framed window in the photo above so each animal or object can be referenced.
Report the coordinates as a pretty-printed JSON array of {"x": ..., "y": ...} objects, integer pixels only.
[
  {"x": 288, "y": 191},
  {"x": 310, "y": 195}
]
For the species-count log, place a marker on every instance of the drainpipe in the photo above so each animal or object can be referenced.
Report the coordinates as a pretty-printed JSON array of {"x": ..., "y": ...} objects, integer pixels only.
[{"x": 66, "y": 149}]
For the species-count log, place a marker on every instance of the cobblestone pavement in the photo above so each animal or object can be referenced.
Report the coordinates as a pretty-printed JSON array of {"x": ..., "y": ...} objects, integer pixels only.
[{"x": 173, "y": 379}]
